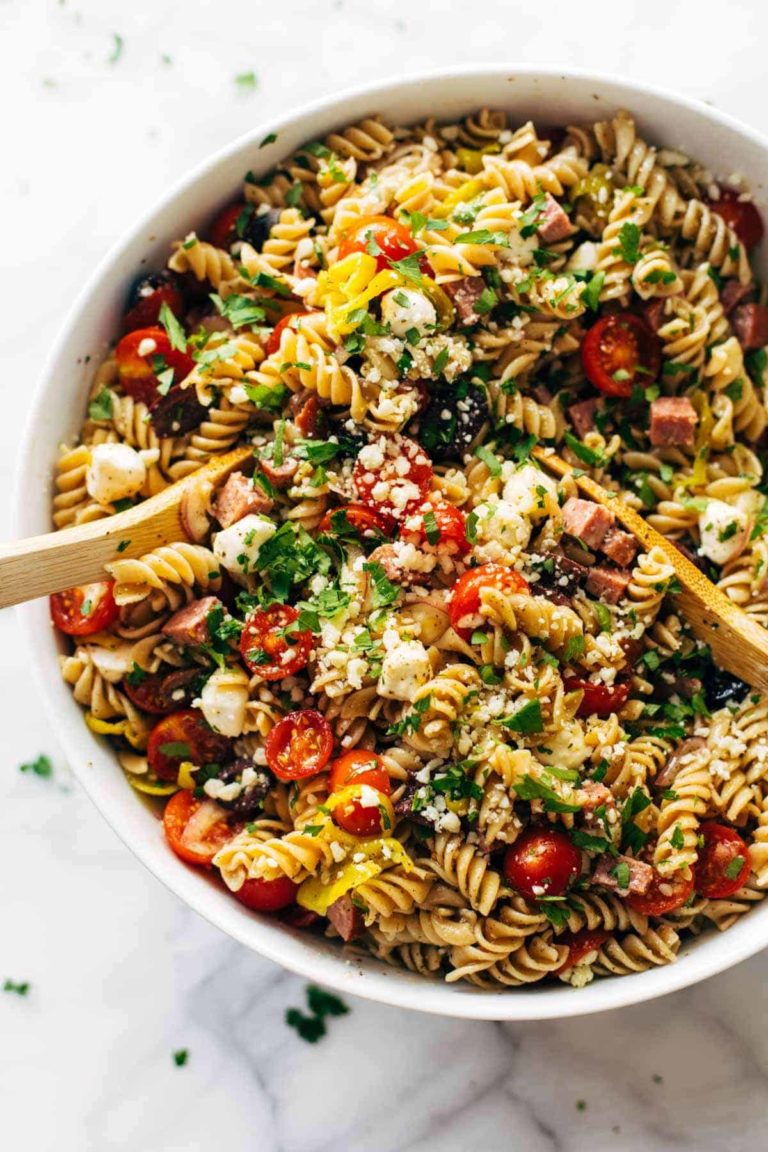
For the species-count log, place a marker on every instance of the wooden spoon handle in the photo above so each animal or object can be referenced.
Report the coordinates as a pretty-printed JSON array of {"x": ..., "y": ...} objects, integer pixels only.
[
  {"x": 738, "y": 643},
  {"x": 40, "y": 565}
]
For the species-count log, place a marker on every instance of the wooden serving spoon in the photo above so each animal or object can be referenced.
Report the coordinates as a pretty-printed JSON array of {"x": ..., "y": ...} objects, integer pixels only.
[
  {"x": 738, "y": 643},
  {"x": 44, "y": 564},
  {"x": 40, "y": 565}
]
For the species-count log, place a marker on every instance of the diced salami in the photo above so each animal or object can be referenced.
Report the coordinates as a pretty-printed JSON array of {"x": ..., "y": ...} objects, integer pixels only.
[
  {"x": 582, "y": 416},
  {"x": 750, "y": 323},
  {"x": 652, "y": 312},
  {"x": 391, "y": 559},
  {"x": 465, "y": 293},
  {"x": 280, "y": 475},
  {"x": 553, "y": 223},
  {"x": 608, "y": 584},
  {"x": 307, "y": 413},
  {"x": 673, "y": 422},
  {"x": 189, "y": 626},
  {"x": 640, "y": 874},
  {"x": 587, "y": 521},
  {"x": 176, "y": 413},
  {"x": 732, "y": 293},
  {"x": 619, "y": 546},
  {"x": 346, "y": 918},
  {"x": 238, "y": 498}
]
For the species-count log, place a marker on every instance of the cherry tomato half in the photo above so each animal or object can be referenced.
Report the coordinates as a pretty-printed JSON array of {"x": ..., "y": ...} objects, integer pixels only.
[
  {"x": 363, "y": 520},
  {"x": 465, "y": 596},
  {"x": 359, "y": 767},
  {"x": 266, "y": 648},
  {"x": 223, "y": 232},
  {"x": 542, "y": 862},
  {"x": 299, "y": 745},
  {"x": 147, "y": 297},
  {"x": 665, "y": 894},
  {"x": 183, "y": 736},
  {"x": 399, "y": 481},
  {"x": 598, "y": 699},
  {"x": 448, "y": 532},
  {"x": 84, "y": 610},
  {"x": 580, "y": 944},
  {"x": 136, "y": 362},
  {"x": 267, "y": 895},
  {"x": 619, "y": 351},
  {"x": 196, "y": 829},
  {"x": 741, "y": 215},
  {"x": 164, "y": 692},
  {"x": 380, "y": 236},
  {"x": 723, "y": 865},
  {"x": 276, "y": 335}
]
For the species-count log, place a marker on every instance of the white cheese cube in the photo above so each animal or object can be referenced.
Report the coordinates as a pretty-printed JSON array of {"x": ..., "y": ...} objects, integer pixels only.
[
  {"x": 115, "y": 472},
  {"x": 404, "y": 670},
  {"x": 237, "y": 547},
  {"x": 223, "y": 701},
  {"x": 723, "y": 530},
  {"x": 404, "y": 309},
  {"x": 531, "y": 492}
]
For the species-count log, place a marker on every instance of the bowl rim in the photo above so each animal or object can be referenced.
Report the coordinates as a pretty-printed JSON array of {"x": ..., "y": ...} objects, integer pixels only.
[{"x": 390, "y": 986}]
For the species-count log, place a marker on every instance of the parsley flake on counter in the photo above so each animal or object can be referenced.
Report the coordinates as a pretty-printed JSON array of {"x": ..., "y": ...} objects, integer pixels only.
[
  {"x": 180, "y": 1057},
  {"x": 20, "y": 989},
  {"x": 321, "y": 1004},
  {"x": 117, "y": 50},
  {"x": 246, "y": 81},
  {"x": 41, "y": 766}
]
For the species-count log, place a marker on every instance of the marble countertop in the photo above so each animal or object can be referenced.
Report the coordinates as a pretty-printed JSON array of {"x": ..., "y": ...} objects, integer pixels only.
[{"x": 103, "y": 105}]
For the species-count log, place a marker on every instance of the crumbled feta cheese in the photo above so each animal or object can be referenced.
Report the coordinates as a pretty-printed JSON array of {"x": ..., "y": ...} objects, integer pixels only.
[
  {"x": 405, "y": 309},
  {"x": 531, "y": 492}
]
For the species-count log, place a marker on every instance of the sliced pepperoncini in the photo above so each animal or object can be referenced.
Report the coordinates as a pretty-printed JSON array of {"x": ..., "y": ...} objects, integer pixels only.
[{"x": 471, "y": 159}]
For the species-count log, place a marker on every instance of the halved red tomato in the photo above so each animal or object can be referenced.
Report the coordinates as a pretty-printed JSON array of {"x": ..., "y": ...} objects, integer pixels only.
[
  {"x": 141, "y": 355},
  {"x": 393, "y": 475},
  {"x": 665, "y": 894},
  {"x": 196, "y": 829},
  {"x": 271, "y": 651},
  {"x": 299, "y": 745},
  {"x": 359, "y": 767},
  {"x": 447, "y": 532},
  {"x": 723, "y": 865},
  {"x": 84, "y": 610},
  {"x": 465, "y": 595},
  {"x": 620, "y": 351},
  {"x": 267, "y": 895},
  {"x": 580, "y": 944},
  {"x": 361, "y": 518},
  {"x": 542, "y": 862},
  {"x": 598, "y": 699},
  {"x": 741, "y": 215},
  {"x": 223, "y": 231},
  {"x": 379, "y": 236},
  {"x": 147, "y": 297},
  {"x": 183, "y": 736}
]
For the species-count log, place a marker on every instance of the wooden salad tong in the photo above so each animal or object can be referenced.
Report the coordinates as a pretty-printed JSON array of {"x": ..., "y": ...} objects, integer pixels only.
[{"x": 58, "y": 560}]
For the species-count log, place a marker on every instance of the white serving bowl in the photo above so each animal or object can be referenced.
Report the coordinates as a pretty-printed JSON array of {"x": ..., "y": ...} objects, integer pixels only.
[{"x": 550, "y": 96}]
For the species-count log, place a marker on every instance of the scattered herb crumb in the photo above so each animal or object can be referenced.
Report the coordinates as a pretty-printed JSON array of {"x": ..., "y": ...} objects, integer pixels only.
[
  {"x": 122, "y": 545},
  {"x": 180, "y": 1057},
  {"x": 42, "y": 766},
  {"x": 658, "y": 1079},
  {"x": 581, "y": 1105},
  {"x": 246, "y": 81},
  {"x": 48, "y": 82},
  {"x": 268, "y": 139},
  {"x": 117, "y": 50},
  {"x": 166, "y": 59},
  {"x": 321, "y": 1004},
  {"x": 20, "y": 989}
]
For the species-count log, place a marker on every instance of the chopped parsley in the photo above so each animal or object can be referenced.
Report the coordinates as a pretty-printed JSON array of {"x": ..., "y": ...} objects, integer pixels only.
[
  {"x": 100, "y": 408},
  {"x": 311, "y": 1027},
  {"x": 383, "y": 591},
  {"x": 176, "y": 748},
  {"x": 733, "y": 867},
  {"x": 525, "y": 719},
  {"x": 410, "y": 723},
  {"x": 629, "y": 242},
  {"x": 491, "y": 461},
  {"x": 591, "y": 294},
  {"x": 246, "y": 81},
  {"x": 180, "y": 1057},
  {"x": 20, "y": 989},
  {"x": 118, "y": 44},
  {"x": 40, "y": 766},
  {"x": 173, "y": 328}
]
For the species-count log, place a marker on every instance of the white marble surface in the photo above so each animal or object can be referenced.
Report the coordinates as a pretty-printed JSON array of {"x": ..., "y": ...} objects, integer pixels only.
[{"x": 121, "y": 973}]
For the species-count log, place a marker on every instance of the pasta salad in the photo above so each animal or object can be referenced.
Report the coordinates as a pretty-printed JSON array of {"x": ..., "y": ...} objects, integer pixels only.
[{"x": 400, "y": 685}]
